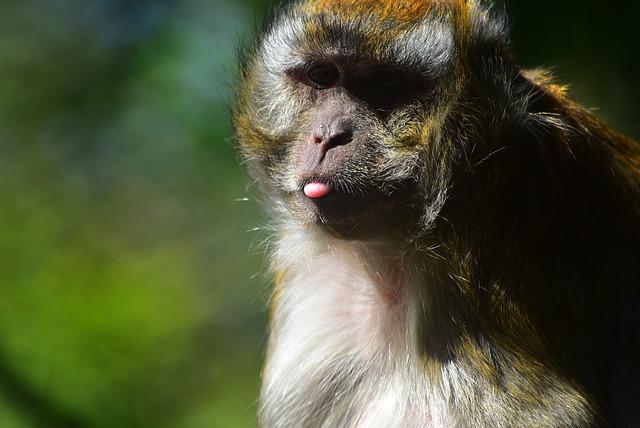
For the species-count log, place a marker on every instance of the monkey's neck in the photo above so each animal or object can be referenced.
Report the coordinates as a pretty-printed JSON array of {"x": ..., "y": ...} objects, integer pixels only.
[
  {"x": 363, "y": 332},
  {"x": 461, "y": 297},
  {"x": 377, "y": 283},
  {"x": 344, "y": 317}
]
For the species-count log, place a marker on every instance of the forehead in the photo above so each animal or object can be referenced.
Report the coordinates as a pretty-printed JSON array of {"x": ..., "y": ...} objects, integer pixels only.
[
  {"x": 416, "y": 33},
  {"x": 399, "y": 11}
]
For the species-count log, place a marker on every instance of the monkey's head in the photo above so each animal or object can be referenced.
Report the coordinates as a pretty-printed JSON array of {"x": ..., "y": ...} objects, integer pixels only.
[{"x": 348, "y": 111}]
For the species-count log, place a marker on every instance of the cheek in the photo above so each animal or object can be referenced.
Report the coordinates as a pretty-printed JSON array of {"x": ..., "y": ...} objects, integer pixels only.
[
  {"x": 269, "y": 145},
  {"x": 401, "y": 155},
  {"x": 410, "y": 128},
  {"x": 278, "y": 106}
]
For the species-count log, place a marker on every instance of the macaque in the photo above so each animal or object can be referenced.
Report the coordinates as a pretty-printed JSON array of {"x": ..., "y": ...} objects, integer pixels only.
[{"x": 455, "y": 241}]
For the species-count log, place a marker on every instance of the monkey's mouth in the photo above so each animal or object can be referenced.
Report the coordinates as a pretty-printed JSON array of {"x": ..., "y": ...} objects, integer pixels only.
[
  {"x": 357, "y": 213},
  {"x": 327, "y": 202},
  {"x": 332, "y": 205},
  {"x": 316, "y": 189}
]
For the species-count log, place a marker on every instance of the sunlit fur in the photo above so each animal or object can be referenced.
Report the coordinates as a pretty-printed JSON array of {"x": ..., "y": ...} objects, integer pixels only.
[{"x": 512, "y": 300}]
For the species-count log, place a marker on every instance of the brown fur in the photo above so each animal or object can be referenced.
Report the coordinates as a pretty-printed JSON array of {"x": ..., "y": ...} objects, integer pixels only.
[{"x": 515, "y": 209}]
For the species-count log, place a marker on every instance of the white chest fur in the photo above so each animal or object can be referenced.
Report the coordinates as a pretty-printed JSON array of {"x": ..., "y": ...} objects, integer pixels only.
[{"x": 343, "y": 345}]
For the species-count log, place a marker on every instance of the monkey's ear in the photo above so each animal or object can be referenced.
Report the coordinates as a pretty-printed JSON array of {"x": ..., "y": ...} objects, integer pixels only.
[
  {"x": 543, "y": 79},
  {"x": 541, "y": 96},
  {"x": 549, "y": 114}
]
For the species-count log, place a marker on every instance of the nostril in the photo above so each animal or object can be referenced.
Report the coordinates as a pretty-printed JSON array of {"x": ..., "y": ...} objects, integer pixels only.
[
  {"x": 337, "y": 139},
  {"x": 340, "y": 139}
]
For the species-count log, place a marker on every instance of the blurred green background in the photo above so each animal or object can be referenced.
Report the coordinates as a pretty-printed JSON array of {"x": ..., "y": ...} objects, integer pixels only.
[{"x": 132, "y": 286}]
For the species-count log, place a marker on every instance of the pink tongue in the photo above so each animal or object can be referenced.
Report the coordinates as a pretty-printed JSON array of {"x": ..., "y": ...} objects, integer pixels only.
[{"x": 316, "y": 190}]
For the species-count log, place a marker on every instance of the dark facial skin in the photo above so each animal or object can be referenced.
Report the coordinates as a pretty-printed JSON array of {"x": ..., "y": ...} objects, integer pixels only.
[
  {"x": 331, "y": 140},
  {"x": 338, "y": 150}
]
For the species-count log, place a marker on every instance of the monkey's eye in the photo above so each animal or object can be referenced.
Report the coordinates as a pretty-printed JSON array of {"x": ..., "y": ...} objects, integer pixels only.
[
  {"x": 382, "y": 86},
  {"x": 388, "y": 79},
  {"x": 323, "y": 76}
]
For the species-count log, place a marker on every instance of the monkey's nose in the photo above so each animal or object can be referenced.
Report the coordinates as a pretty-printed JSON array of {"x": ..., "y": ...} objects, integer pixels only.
[
  {"x": 333, "y": 139},
  {"x": 330, "y": 140}
]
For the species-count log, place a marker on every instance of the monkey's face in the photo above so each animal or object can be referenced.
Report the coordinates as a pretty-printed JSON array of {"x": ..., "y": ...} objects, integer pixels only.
[
  {"x": 342, "y": 109},
  {"x": 344, "y": 165}
]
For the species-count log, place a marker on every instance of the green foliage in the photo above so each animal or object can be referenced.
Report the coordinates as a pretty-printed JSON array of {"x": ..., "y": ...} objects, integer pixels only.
[{"x": 127, "y": 290}]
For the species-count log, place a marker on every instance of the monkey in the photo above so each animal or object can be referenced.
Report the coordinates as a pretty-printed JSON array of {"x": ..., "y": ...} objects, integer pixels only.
[{"x": 455, "y": 240}]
